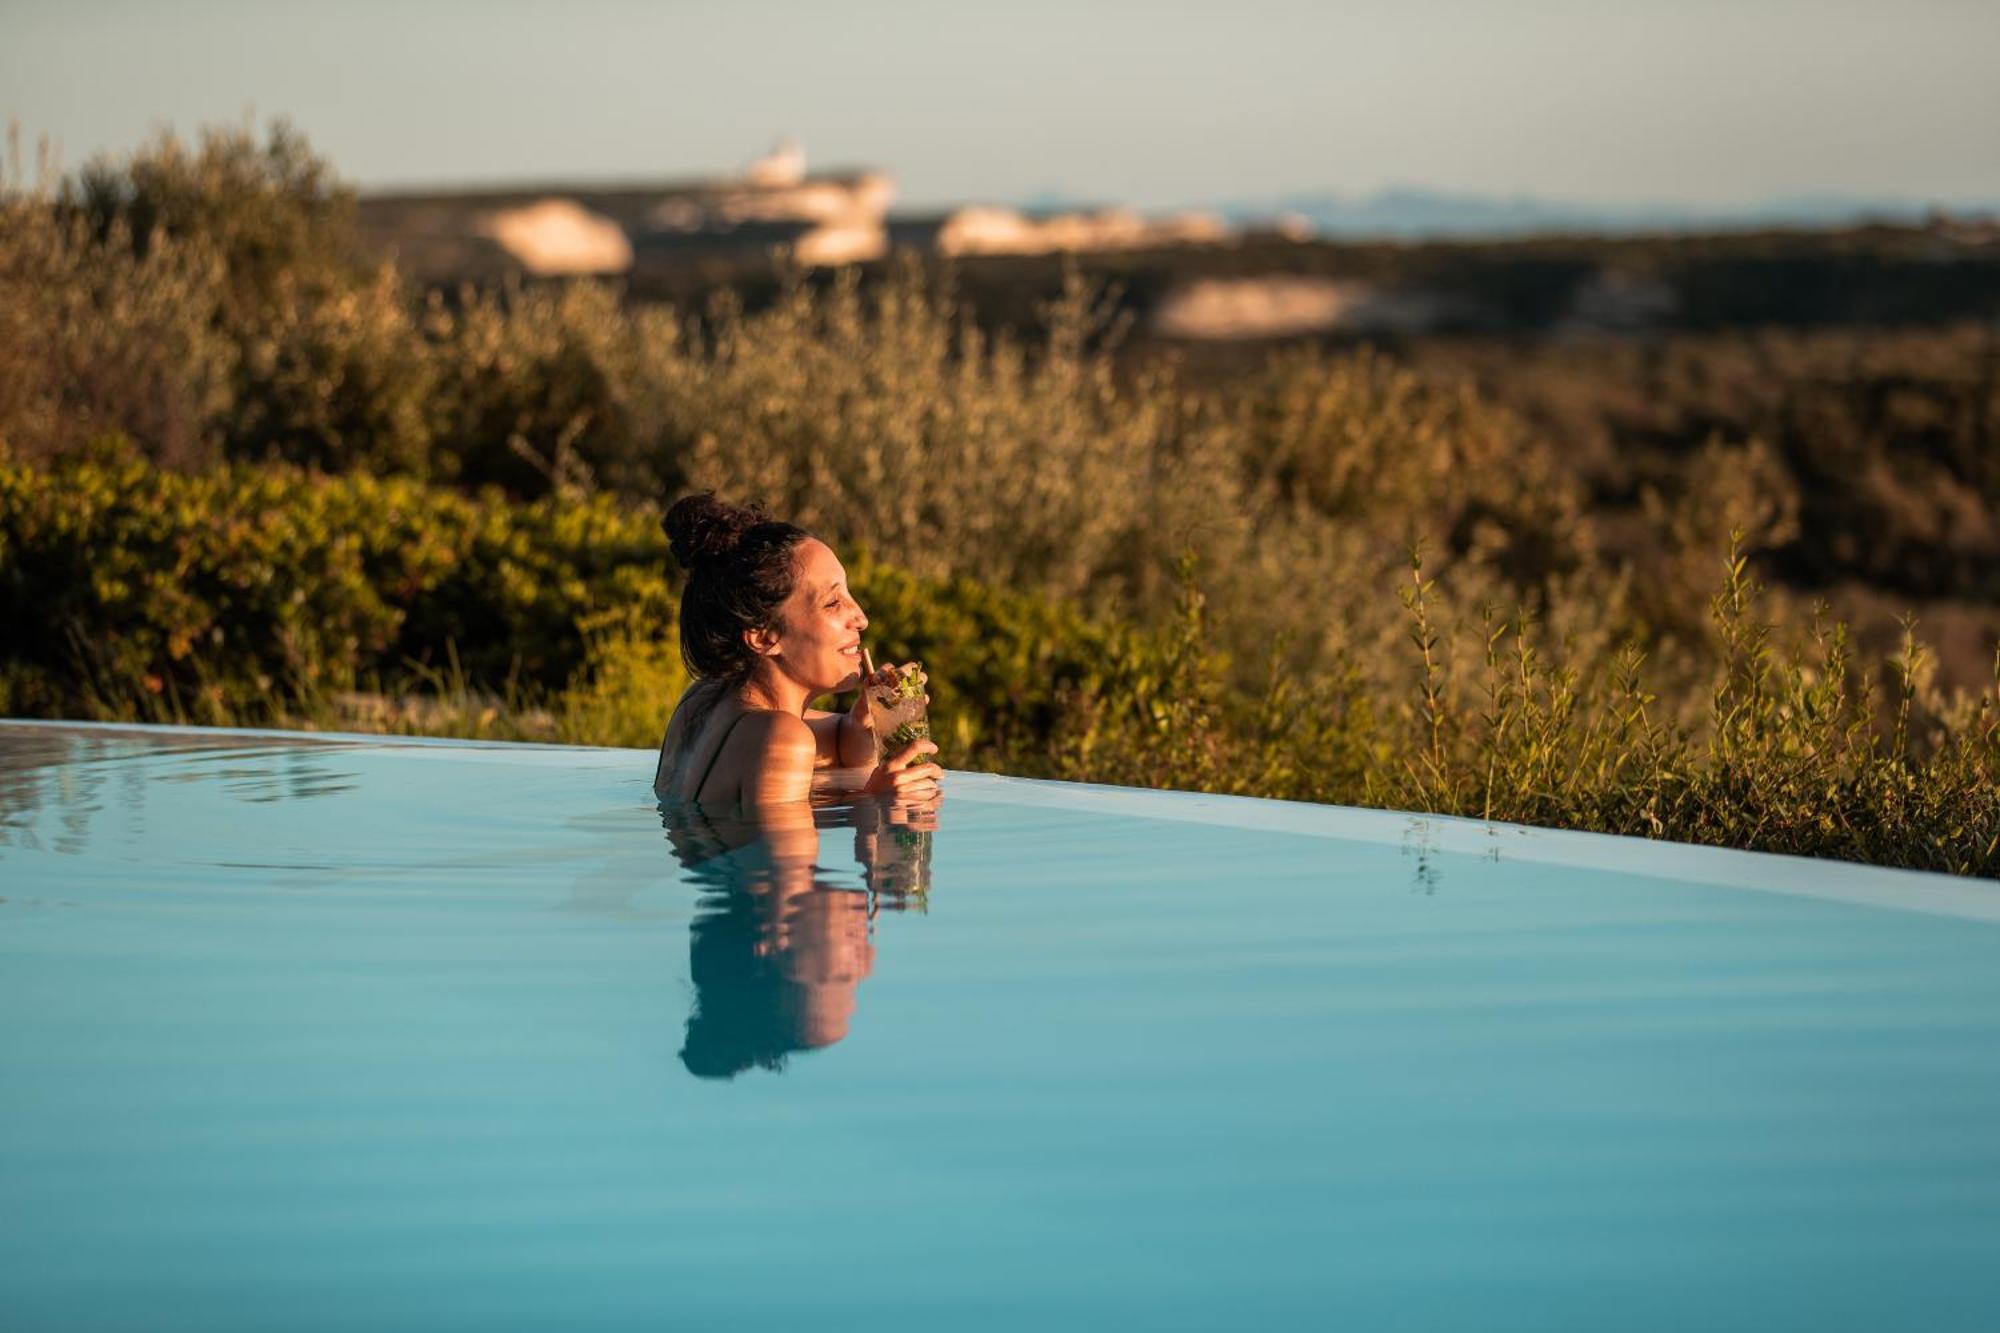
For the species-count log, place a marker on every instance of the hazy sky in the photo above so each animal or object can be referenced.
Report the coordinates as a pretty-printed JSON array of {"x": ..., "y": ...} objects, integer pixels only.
[{"x": 1691, "y": 101}]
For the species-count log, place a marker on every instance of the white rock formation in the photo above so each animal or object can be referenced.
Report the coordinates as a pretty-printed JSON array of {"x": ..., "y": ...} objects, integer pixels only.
[
  {"x": 1003, "y": 231},
  {"x": 560, "y": 238},
  {"x": 835, "y": 243},
  {"x": 1226, "y": 309},
  {"x": 827, "y": 199},
  {"x": 822, "y": 220}
]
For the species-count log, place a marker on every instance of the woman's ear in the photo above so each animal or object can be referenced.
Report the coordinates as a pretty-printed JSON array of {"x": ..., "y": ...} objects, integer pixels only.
[{"x": 762, "y": 641}]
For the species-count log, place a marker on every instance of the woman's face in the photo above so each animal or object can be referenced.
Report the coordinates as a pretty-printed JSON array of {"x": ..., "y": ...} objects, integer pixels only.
[{"x": 819, "y": 628}]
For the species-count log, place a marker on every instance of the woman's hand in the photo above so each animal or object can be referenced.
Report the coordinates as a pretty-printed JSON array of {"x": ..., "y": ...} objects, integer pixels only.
[{"x": 906, "y": 775}]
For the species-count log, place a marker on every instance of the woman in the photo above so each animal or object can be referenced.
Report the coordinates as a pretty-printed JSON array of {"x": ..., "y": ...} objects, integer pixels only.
[{"x": 767, "y": 625}]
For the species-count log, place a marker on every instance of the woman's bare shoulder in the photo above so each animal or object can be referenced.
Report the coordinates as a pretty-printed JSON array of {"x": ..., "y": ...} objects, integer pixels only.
[{"x": 778, "y": 734}]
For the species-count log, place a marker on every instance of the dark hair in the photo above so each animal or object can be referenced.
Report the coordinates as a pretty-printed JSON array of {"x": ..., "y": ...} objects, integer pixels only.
[{"x": 740, "y": 569}]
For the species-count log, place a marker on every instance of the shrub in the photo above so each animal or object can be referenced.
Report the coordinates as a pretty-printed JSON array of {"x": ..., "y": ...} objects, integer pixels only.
[
  {"x": 881, "y": 417},
  {"x": 1792, "y": 753},
  {"x": 99, "y": 339},
  {"x": 231, "y": 272},
  {"x": 274, "y": 211},
  {"x": 556, "y": 388},
  {"x": 247, "y": 591}
]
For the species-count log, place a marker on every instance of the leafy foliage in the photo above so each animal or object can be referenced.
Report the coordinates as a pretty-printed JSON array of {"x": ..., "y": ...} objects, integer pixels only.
[{"x": 249, "y": 590}]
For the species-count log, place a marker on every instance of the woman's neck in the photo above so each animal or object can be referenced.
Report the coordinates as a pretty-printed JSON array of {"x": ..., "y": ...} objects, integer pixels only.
[{"x": 771, "y": 689}]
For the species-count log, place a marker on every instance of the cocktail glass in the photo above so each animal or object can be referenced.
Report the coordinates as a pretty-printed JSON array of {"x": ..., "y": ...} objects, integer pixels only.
[{"x": 898, "y": 713}]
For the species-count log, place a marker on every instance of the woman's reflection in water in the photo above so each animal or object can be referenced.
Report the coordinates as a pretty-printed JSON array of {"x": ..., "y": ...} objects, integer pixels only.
[{"x": 779, "y": 944}]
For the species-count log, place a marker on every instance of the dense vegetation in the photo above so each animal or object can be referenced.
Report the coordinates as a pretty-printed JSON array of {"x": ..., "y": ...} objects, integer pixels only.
[
  {"x": 1878, "y": 456},
  {"x": 247, "y": 475}
]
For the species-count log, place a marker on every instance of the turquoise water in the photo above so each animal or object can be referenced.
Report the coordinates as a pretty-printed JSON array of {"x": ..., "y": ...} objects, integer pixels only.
[{"x": 304, "y": 1034}]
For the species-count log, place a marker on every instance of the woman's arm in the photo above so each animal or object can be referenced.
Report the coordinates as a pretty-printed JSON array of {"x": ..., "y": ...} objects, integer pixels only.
[{"x": 841, "y": 740}]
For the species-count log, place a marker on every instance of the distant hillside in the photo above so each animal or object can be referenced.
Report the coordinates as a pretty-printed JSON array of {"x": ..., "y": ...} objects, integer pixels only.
[
  {"x": 1861, "y": 277},
  {"x": 1413, "y": 213}
]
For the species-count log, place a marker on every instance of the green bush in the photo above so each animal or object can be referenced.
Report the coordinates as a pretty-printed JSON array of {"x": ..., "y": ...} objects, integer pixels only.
[
  {"x": 339, "y": 380},
  {"x": 100, "y": 339},
  {"x": 274, "y": 211},
  {"x": 1791, "y": 754},
  {"x": 208, "y": 303},
  {"x": 1876, "y": 443},
  {"x": 245, "y": 590},
  {"x": 556, "y": 388}
]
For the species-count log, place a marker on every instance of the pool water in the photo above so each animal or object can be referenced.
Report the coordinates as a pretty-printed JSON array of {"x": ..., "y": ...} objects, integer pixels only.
[{"x": 324, "y": 1033}]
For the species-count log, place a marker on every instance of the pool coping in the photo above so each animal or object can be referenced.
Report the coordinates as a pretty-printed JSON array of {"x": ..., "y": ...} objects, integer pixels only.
[{"x": 1847, "y": 882}]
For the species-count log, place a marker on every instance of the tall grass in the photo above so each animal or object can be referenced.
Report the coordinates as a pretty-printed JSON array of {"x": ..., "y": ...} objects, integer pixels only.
[{"x": 1793, "y": 752}]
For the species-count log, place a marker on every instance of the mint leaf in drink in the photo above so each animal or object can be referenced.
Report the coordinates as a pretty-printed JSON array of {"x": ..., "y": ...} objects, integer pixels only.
[{"x": 907, "y": 733}]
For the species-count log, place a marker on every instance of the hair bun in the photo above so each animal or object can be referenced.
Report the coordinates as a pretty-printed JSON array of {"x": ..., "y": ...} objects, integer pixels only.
[{"x": 702, "y": 529}]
